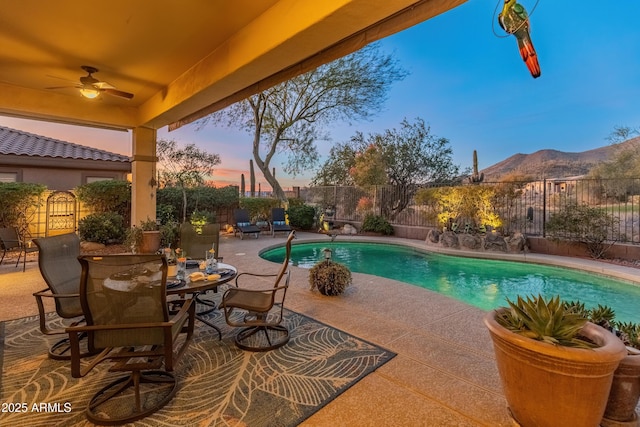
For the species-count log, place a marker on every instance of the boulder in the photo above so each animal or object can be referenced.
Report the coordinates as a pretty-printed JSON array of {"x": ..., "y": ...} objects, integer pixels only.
[
  {"x": 91, "y": 246},
  {"x": 470, "y": 241},
  {"x": 433, "y": 236},
  {"x": 517, "y": 243},
  {"x": 494, "y": 242},
  {"x": 349, "y": 229},
  {"x": 449, "y": 239}
]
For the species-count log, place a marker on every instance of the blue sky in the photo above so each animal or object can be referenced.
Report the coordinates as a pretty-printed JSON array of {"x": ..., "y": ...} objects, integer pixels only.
[{"x": 473, "y": 88}]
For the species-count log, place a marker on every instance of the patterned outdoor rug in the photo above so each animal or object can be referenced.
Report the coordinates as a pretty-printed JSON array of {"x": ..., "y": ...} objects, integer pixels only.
[{"x": 218, "y": 383}]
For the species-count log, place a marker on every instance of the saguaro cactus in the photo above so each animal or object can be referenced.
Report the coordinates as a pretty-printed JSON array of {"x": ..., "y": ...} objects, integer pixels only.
[
  {"x": 252, "y": 179},
  {"x": 242, "y": 186},
  {"x": 476, "y": 178}
]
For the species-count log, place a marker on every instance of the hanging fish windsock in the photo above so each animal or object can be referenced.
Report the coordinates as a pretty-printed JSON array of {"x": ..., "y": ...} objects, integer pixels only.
[{"x": 514, "y": 20}]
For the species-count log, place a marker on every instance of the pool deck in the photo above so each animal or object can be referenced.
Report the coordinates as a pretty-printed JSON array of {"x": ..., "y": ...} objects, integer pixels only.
[{"x": 444, "y": 373}]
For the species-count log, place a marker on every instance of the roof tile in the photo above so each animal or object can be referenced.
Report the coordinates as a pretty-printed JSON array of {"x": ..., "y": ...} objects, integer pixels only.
[{"x": 21, "y": 143}]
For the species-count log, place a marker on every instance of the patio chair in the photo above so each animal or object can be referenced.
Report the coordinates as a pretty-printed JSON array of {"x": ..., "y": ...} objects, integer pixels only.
[
  {"x": 261, "y": 308},
  {"x": 243, "y": 224},
  {"x": 10, "y": 240},
  {"x": 278, "y": 222},
  {"x": 60, "y": 269},
  {"x": 196, "y": 245},
  {"x": 141, "y": 337}
]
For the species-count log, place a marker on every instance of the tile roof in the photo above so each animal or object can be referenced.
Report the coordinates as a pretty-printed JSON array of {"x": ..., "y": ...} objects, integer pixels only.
[{"x": 22, "y": 143}]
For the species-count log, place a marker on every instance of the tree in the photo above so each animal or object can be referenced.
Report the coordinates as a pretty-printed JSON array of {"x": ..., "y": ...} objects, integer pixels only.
[
  {"x": 621, "y": 133},
  {"x": 409, "y": 156},
  {"x": 290, "y": 116},
  {"x": 184, "y": 167}
]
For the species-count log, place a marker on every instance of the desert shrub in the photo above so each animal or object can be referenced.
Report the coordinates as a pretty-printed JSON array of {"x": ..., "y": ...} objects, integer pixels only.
[
  {"x": 301, "y": 216},
  {"x": 376, "y": 224},
  {"x": 584, "y": 224},
  {"x": 104, "y": 227},
  {"x": 330, "y": 278}
]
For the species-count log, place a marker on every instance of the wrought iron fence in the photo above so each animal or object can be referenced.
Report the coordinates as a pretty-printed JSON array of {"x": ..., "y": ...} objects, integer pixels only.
[{"x": 521, "y": 206}]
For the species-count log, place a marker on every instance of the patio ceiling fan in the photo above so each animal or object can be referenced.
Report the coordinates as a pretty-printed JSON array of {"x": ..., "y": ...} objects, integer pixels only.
[{"x": 90, "y": 87}]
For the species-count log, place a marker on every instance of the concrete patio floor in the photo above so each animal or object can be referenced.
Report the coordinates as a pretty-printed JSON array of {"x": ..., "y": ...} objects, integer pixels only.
[{"x": 444, "y": 373}]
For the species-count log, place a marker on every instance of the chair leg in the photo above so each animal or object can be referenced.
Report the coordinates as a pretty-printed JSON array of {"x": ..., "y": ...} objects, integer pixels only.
[
  {"x": 275, "y": 336},
  {"x": 116, "y": 404}
]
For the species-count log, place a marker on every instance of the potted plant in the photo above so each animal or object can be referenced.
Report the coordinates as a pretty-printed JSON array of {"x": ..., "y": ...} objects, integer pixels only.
[
  {"x": 625, "y": 388},
  {"x": 556, "y": 367},
  {"x": 145, "y": 238},
  {"x": 330, "y": 278}
]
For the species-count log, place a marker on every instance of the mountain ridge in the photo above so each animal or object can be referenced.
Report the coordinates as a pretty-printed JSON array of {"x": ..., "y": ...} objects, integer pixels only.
[{"x": 551, "y": 163}]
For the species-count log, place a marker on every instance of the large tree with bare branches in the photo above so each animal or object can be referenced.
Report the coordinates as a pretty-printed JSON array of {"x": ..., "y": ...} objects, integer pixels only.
[{"x": 291, "y": 116}]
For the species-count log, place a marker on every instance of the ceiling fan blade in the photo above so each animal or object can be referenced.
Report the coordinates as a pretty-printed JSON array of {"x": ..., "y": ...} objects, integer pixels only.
[
  {"x": 119, "y": 93},
  {"x": 103, "y": 85},
  {"x": 62, "y": 87}
]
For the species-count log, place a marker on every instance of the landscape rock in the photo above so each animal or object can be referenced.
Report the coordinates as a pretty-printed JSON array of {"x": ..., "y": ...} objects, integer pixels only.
[
  {"x": 349, "y": 229},
  {"x": 91, "y": 246},
  {"x": 470, "y": 241},
  {"x": 495, "y": 242},
  {"x": 517, "y": 243},
  {"x": 433, "y": 236},
  {"x": 449, "y": 239}
]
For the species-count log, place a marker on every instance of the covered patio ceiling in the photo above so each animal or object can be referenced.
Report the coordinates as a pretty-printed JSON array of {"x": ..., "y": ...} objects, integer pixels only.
[{"x": 180, "y": 60}]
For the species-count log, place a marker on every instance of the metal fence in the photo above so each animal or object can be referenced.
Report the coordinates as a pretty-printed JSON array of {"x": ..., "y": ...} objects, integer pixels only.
[{"x": 522, "y": 206}]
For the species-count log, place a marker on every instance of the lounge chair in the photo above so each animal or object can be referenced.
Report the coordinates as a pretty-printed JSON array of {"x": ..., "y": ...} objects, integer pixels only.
[
  {"x": 243, "y": 224},
  {"x": 262, "y": 308},
  {"x": 10, "y": 241},
  {"x": 278, "y": 222},
  {"x": 142, "y": 337}
]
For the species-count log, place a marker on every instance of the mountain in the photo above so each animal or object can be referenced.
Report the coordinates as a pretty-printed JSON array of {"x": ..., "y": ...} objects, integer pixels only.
[{"x": 554, "y": 163}]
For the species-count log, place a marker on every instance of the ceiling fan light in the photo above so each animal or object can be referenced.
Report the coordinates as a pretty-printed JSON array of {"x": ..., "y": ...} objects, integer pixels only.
[{"x": 89, "y": 92}]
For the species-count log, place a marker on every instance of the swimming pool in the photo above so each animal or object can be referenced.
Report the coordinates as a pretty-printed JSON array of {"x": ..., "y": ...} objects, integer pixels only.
[{"x": 480, "y": 282}]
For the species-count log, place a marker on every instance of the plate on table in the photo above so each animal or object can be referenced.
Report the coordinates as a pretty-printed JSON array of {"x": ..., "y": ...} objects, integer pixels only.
[
  {"x": 175, "y": 283},
  {"x": 224, "y": 271}
]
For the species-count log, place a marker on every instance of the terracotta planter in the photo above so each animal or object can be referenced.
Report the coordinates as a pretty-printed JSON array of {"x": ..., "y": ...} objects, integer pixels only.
[
  {"x": 625, "y": 392},
  {"x": 547, "y": 385},
  {"x": 150, "y": 242}
]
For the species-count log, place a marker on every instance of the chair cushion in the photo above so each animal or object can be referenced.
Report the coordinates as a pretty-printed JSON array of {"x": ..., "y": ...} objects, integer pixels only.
[
  {"x": 243, "y": 224},
  {"x": 279, "y": 222}
]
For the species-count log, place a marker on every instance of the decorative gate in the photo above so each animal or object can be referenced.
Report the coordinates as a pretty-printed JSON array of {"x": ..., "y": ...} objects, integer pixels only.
[{"x": 61, "y": 213}]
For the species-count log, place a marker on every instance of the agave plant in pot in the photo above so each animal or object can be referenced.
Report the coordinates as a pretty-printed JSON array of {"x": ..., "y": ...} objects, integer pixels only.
[{"x": 556, "y": 367}]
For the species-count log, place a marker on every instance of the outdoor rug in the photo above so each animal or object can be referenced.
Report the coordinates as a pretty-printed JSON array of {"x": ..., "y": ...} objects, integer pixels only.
[{"x": 219, "y": 385}]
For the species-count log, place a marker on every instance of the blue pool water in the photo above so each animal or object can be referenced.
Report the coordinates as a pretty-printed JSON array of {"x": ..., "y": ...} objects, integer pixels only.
[{"x": 483, "y": 283}]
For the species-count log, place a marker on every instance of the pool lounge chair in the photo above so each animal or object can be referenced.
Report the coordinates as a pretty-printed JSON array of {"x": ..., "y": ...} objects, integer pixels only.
[
  {"x": 243, "y": 224},
  {"x": 278, "y": 222}
]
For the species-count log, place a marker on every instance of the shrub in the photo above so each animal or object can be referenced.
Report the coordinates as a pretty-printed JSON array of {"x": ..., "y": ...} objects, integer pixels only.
[
  {"x": 106, "y": 196},
  {"x": 584, "y": 224},
  {"x": 105, "y": 227},
  {"x": 301, "y": 216},
  {"x": 19, "y": 199},
  {"x": 259, "y": 208},
  {"x": 376, "y": 224},
  {"x": 199, "y": 218},
  {"x": 330, "y": 278}
]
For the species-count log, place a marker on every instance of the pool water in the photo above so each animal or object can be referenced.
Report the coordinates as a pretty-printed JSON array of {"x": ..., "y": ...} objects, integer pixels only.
[{"x": 483, "y": 283}]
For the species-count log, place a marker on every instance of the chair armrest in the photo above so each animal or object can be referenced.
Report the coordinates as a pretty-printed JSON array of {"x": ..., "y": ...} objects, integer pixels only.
[
  {"x": 47, "y": 293},
  {"x": 253, "y": 275}
]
